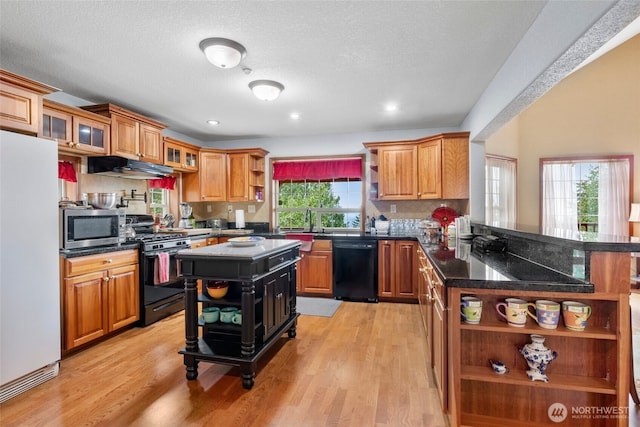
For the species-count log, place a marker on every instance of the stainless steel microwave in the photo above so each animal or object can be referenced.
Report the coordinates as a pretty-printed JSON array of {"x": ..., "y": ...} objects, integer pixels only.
[{"x": 85, "y": 228}]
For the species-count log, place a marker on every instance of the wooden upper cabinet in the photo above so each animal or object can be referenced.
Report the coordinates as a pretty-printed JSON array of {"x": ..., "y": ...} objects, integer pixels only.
[
  {"x": 57, "y": 124},
  {"x": 92, "y": 134},
  {"x": 150, "y": 143},
  {"x": 213, "y": 167},
  {"x": 21, "y": 103},
  {"x": 435, "y": 167},
  {"x": 75, "y": 130},
  {"x": 209, "y": 183},
  {"x": 455, "y": 166},
  {"x": 180, "y": 155},
  {"x": 230, "y": 175},
  {"x": 124, "y": 137},
  {"x": 444, "y": 167},
  {"x": 429, "y": 165},
  {"x": 397, "y": 172},
  {"x": 246, "y": 175},
  {"x": 132, "y": 135},
  {"x": 238, "y": 177}
]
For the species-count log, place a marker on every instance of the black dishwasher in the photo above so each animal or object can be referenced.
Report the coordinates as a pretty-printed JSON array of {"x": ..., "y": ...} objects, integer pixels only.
[{"x": 355, "y": 270}]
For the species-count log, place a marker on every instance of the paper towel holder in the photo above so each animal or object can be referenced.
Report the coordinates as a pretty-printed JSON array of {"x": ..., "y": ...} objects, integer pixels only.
[{"x": 240, "y": 218}]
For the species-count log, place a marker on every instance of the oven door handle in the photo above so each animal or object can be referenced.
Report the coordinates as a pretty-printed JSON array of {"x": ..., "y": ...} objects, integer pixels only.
[{"x": 169, "y": 251}]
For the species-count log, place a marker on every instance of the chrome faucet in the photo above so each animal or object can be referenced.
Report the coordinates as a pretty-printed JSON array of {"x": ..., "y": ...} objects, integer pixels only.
[{"x": 307, "y": 217}]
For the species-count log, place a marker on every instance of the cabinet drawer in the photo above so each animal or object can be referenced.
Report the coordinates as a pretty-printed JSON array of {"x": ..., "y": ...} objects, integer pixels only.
[
  {"x": 321, "y": 245},
  {"x": 276, "y": 260},
  {"x": 195, "y": 244},
  {"x": 87, "y": 264}
]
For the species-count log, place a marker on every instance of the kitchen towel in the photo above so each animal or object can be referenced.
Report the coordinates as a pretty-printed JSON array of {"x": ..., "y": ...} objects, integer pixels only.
[
  {"x": 240, "y": 218},
  {"x": 161, "y": 269}
]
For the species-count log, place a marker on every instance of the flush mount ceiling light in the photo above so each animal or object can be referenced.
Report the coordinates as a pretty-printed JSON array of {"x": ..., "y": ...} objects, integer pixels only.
[
  {"x": 266, "y": 90},
  {"x": 213, "y": 122},
  {"x": 223, "y": 53}
]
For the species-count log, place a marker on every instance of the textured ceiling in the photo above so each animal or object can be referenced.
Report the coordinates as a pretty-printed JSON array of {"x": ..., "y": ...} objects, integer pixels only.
[{"x": 340, "y": 62}]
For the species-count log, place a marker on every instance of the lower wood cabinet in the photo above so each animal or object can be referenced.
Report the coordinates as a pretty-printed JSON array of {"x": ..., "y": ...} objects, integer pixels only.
[
  {"x": 434, "y": 316},
  {"x": 100, "y": 295},
  {"x": 398, "y": 269},
  {"x": 315, "y": 269}
]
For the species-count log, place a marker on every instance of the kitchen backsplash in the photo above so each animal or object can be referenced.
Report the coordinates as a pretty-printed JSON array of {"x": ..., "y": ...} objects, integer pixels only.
[
  {"x": 421, "y": 209},
  {"x": 409, "y": 209},
  {"x": 106, "y": 184},
  {"x": 219, "y": 210}
]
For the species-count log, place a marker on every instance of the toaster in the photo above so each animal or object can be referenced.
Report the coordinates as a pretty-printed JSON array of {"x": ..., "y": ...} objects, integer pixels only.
[{"x": 490, "y": 243}]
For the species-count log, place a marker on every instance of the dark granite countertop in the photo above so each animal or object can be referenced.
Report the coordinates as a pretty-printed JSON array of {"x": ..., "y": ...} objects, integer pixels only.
[
  {"x": 73, "y": 253},
  {"x": 580, "y": 240},
  {"x": 460, "y": 267},
  {"x": 341, "y": 236}
]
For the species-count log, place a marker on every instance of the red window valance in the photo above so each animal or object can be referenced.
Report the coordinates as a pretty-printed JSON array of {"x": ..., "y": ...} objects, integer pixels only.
[
  {"x": 317, "y": 169},
  {"x": 67, "y": 172},
  {"x": 168, "y": 183}
]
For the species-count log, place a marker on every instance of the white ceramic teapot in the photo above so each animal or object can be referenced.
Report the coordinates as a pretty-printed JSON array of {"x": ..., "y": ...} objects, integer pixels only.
[{"x": 538, "y": 358}]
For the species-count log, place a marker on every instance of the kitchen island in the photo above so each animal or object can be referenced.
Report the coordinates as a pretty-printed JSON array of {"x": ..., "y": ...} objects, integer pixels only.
[
  {"x": 262, "y": 285},
  {"x": 592, "y": 368}
]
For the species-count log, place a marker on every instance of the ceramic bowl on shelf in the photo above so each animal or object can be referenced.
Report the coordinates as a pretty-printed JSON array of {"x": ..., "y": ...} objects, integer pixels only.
[{"x": 217, "y": 288}]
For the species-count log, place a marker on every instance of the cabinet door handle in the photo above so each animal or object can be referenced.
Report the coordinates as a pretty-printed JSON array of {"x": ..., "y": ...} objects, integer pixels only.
[
  {"x": 108, "y": 261},
  {"x": 106, "y": 279},
  {"x": 112, "y": 278}
]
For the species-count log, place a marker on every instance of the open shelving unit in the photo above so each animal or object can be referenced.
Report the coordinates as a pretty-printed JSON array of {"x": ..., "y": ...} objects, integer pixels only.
[{"x": 589, "y": 370}]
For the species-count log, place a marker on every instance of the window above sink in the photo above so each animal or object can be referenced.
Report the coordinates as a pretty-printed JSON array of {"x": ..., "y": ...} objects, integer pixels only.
[{"x": 318, "y": 195}]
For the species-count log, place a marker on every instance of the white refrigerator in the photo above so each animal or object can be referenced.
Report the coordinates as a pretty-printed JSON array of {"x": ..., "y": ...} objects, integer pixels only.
[{"x": 29, "y": 266}]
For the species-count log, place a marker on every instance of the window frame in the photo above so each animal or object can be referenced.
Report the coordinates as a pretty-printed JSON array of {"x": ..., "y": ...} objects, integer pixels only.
[
  {"x": 594, "y": 158},
  {"x": 514, "y": 161},
  {"x": 165, "y": 205},
  {"x": 317, "y": 212}
]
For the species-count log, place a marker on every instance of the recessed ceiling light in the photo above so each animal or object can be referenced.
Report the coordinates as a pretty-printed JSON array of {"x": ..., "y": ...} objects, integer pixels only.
[
  {"x": 295, "y": 116},
  {"x": 390, "y": 107},
  {"x": 213, "y": 122}
]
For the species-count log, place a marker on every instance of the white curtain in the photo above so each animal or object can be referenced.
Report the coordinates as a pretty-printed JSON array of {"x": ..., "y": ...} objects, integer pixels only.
[
  {"x": 500, "y": 191},
  {"x": 613, "y": 198},
  {"x": 559, "y": 198}
]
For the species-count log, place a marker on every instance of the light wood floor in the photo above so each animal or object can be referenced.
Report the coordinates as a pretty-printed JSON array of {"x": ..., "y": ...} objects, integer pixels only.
[{"x": 365, "y": 366}]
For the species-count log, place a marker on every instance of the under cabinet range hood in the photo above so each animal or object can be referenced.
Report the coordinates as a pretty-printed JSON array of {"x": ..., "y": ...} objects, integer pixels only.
[{"x": 126, "y": 168}]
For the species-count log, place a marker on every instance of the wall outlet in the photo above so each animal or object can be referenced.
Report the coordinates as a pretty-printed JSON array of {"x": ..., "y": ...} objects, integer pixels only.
[
  {"x": 229, "y": 209},
  {"x": 392, "y": 208},
  {"x": 209, "y": 208},
  {"x": 251, "y": 208}
]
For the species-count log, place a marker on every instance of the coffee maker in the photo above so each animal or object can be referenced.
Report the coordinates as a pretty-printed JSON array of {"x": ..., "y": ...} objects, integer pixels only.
[{"x": 185, "y": 213}]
